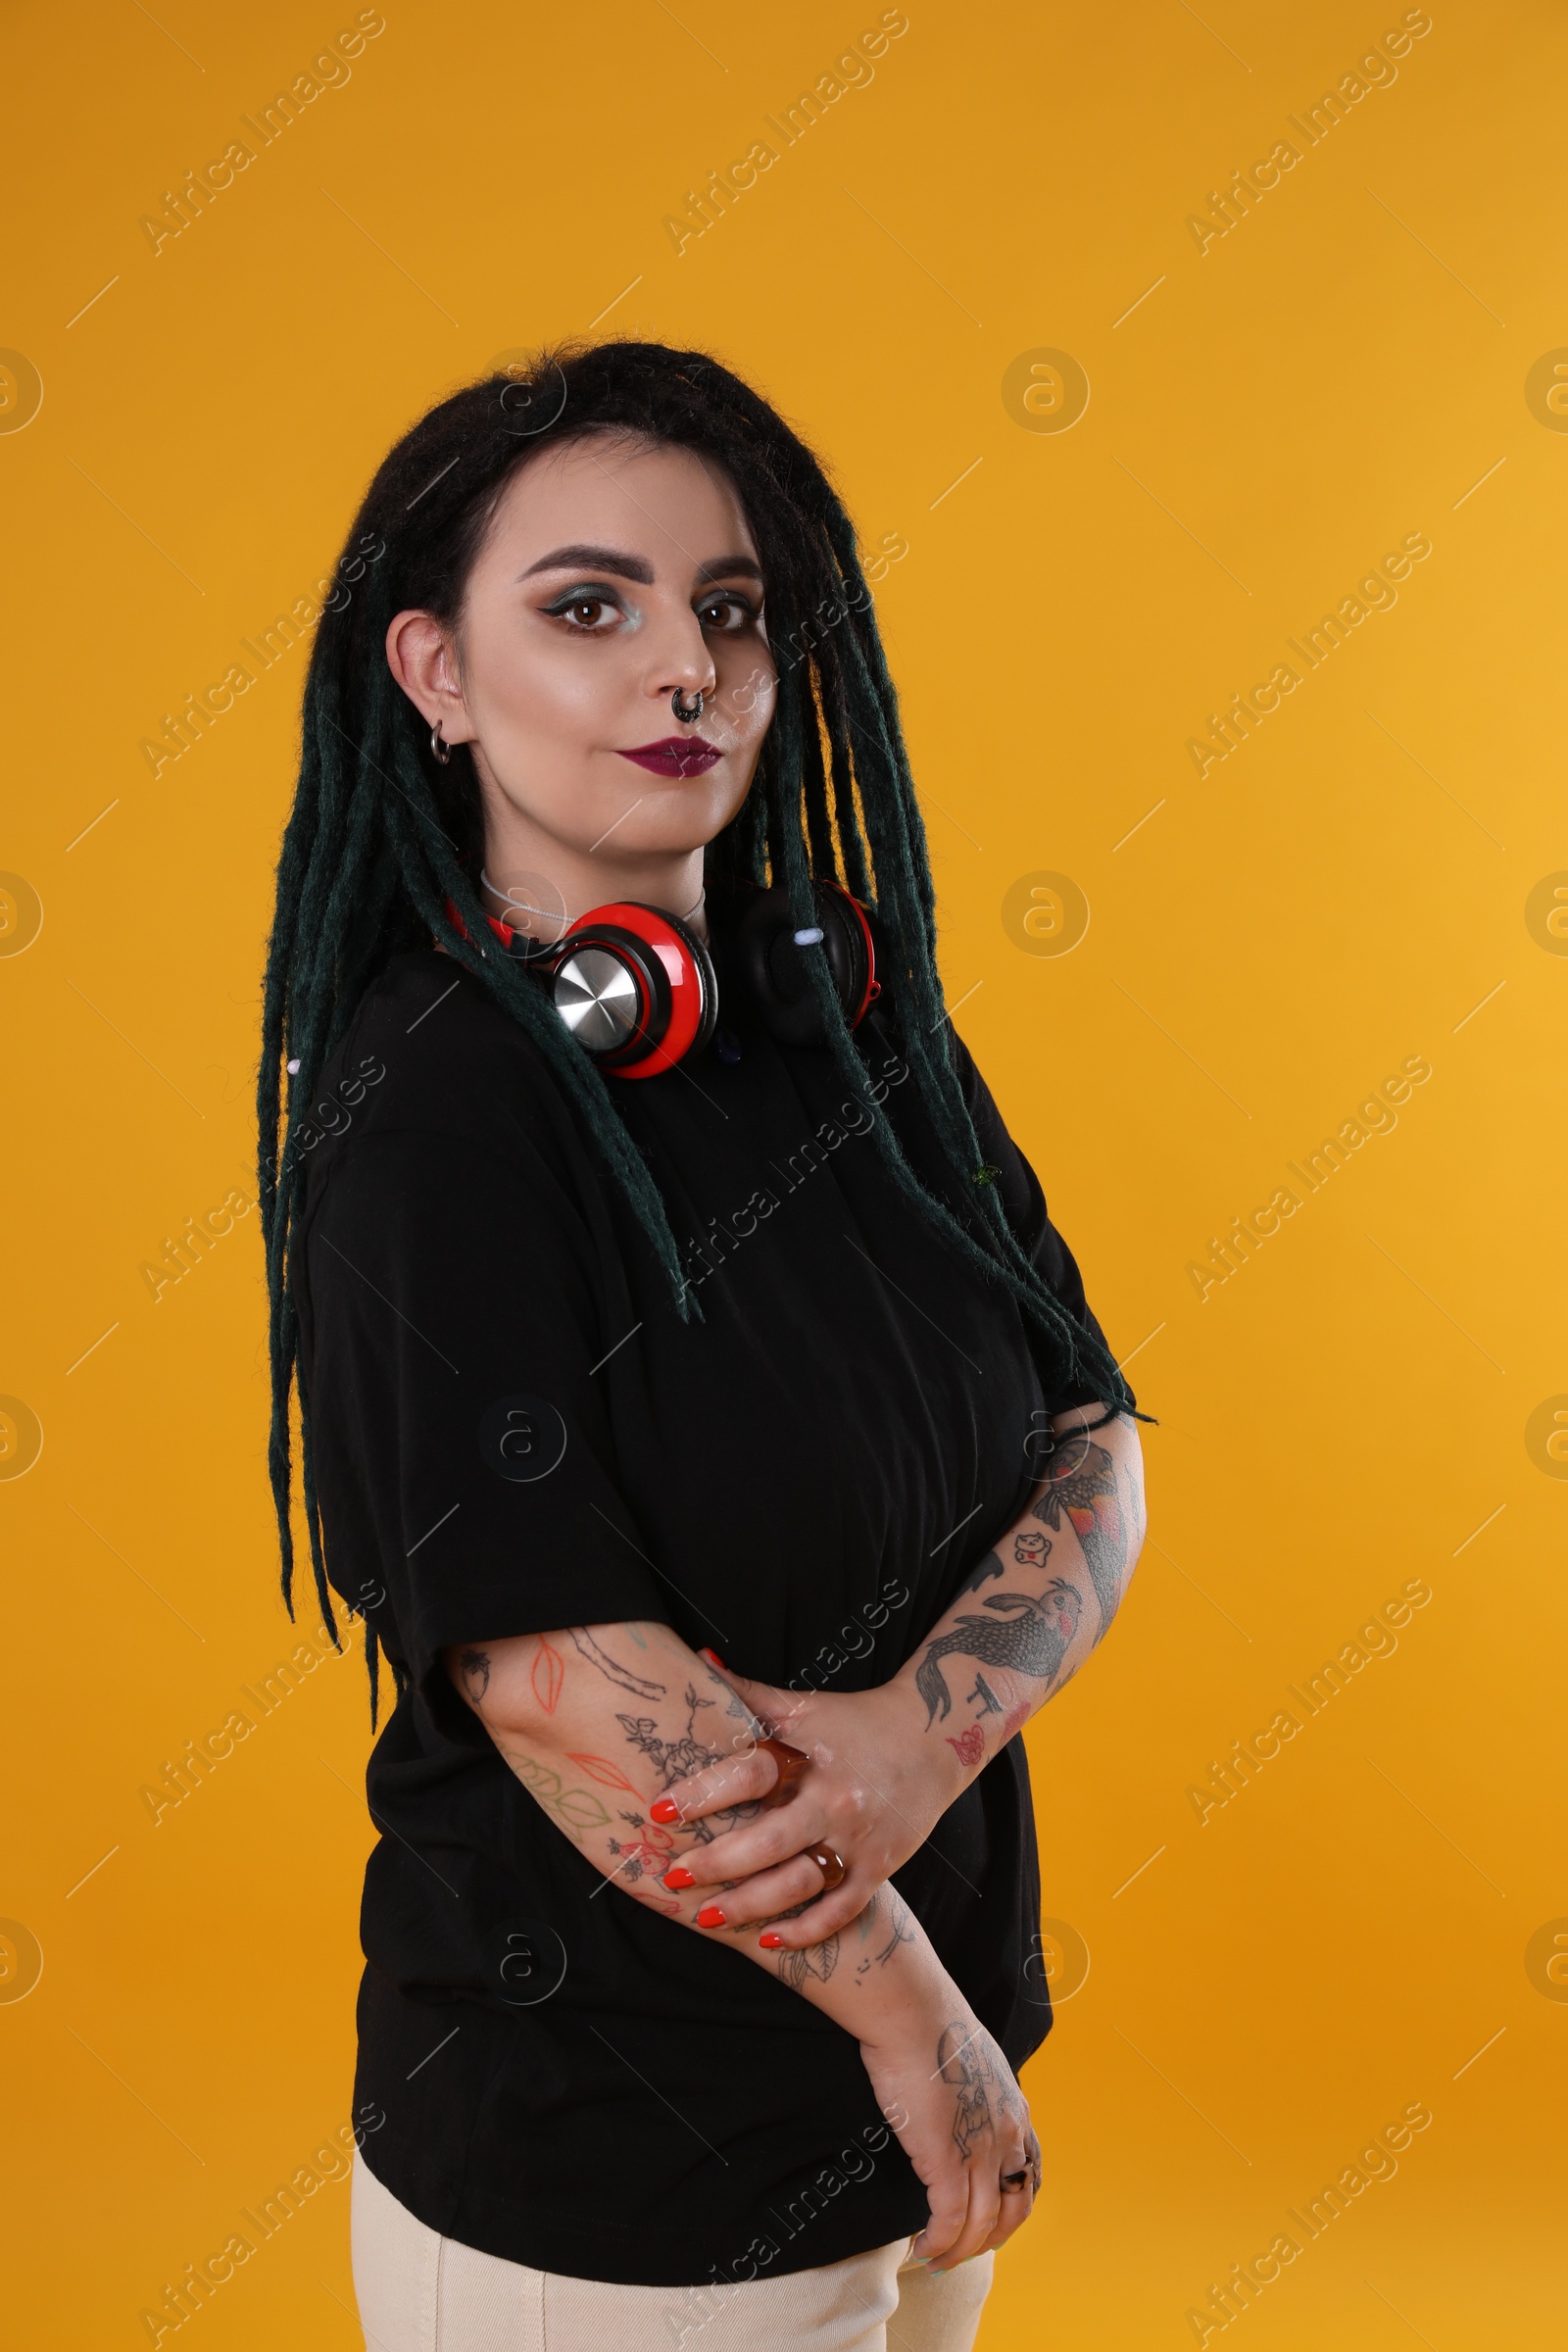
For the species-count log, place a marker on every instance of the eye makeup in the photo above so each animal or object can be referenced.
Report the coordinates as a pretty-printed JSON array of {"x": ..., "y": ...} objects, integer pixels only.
[
  {"x": 593, "y": 592},
  {"x": 750, "y": 614}
]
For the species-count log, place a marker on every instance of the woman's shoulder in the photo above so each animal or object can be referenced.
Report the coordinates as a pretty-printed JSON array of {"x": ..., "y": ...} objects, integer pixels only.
[{"x": 430, "y": 1053}]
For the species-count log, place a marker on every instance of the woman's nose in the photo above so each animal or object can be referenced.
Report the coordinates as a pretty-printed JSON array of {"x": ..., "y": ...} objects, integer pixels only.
[{"x": 682, "y": 658}]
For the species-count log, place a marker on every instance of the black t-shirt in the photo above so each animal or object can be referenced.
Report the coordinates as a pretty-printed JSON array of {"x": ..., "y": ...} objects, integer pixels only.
[{"x": 513, "y": 1432}]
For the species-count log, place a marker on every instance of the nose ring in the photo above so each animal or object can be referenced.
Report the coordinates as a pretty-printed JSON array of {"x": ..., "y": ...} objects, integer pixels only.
[{"x": 681, "y": 712}]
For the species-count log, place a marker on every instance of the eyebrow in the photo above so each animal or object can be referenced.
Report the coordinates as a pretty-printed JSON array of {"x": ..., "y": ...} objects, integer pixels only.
[
  {"x": 633, "y": 567},
  {"x": 582, "y": 558},
  {"x": 724, "y": 568}
]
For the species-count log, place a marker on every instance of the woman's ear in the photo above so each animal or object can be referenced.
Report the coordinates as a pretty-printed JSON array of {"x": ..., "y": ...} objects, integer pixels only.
[{"x": 420, "y": 658}]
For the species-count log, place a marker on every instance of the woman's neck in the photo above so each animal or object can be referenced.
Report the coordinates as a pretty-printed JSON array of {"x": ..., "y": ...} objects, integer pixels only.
[{"x": 542, "y": 905}]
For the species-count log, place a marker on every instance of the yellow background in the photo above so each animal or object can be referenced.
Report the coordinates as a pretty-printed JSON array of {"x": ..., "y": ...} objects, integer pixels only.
[{"x": 1342, "y": 893}]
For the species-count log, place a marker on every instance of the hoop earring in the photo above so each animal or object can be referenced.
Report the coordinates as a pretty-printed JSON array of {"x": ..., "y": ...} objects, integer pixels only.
[
  {"x": 684, "y": 715},
  {"x": 439, "y": 748}
]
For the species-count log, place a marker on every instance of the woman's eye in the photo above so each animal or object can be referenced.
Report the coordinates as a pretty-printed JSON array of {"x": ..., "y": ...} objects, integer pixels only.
[
  {"x": 732, "y": 612},
  {"x": 581, "y": 613}
]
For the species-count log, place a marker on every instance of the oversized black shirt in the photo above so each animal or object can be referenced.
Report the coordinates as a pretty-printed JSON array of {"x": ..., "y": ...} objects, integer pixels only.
[{"x": 514, "y": 1431}]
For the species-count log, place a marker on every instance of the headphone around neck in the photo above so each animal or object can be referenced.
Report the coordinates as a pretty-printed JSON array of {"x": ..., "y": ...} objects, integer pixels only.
[{"x": 639, "y": 992}]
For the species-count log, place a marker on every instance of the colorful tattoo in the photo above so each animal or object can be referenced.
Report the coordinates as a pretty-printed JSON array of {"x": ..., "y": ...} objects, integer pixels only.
[
  {"x": 1090, "y": 1498},
  {"x": 547, "y": 1673},
  {"x": 578, "y": 1809}
]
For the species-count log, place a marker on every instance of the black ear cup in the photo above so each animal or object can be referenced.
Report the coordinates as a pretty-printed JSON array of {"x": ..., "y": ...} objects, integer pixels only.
[{"x": 772, "y": 954}]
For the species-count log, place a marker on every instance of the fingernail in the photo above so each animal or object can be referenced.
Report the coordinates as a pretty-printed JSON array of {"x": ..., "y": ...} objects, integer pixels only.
[
  {"x": 663, "y": 1809},
  {"x": 678, "y": 1876},
  {"x": 713, "y": 1657},
  {"x": 711, "y": 1916},
  {"x": 772, "y": 1943}
]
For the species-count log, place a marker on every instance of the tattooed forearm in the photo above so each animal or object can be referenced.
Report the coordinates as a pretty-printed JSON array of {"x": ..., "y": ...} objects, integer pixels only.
[
  {"x": 637, "y": 1684},
  {"x": 887, "y": 1915},
  {"x": 817, "y": 1960},
  {"x": 1088, "y": 1497},
  {"x": 887, "y": 1909},
  {"x": 598, "y": 1767},
  {"x": 1031, "y": 1635},
  {"x": 577, "y": 1810},
  {"x": 1092, "y": 1495},
  {"x": 674, "y": 1759},
  {"x": 1030, "y": 1549}
]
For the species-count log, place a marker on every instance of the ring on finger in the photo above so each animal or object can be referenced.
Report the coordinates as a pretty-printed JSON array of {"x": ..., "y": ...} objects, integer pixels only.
[
  {"x": 835, "y": 1870},
  {"x": 791, "y": 1762}
]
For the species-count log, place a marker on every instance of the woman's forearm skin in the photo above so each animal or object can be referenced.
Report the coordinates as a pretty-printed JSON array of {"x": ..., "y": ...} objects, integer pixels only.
[
  {"x": 1035, "y": 1607},
  {"x": 597, "y": 1722}
]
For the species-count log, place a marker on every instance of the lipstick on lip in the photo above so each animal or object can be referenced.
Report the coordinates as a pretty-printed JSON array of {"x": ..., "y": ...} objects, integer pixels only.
[{"x": 676, "y": 755}]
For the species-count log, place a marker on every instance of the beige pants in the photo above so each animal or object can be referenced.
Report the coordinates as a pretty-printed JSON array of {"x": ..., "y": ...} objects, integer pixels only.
[{"x": 421, "y": 2292}]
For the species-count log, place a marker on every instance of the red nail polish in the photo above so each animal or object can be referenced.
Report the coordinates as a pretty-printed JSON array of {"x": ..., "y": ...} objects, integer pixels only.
[
  {"x": 664, "y": 1809},
  {"x": 711, "y": 1916},
  {"x": 713, "y": 1658},
  {"x": 678, "y": 1876},
  {"x": 772, "y": 1943}
]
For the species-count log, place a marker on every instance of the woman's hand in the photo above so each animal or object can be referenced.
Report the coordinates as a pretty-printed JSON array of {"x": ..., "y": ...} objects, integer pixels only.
[
  {"x": 885, "y": 1764},
  {"x": 961, "y": 2118},
  {"x": 872, "y": 1793}
]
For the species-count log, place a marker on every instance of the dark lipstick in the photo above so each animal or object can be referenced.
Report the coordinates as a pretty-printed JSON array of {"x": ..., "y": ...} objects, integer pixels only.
[{"x": 676, "y": 755}]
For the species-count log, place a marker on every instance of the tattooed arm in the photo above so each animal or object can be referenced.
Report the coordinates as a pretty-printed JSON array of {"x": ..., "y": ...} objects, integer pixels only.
[
  {"x": 598, "y": 1723},
  {"x": 888, "y": 1762},
  {"x": 1052, "y": 1587}
]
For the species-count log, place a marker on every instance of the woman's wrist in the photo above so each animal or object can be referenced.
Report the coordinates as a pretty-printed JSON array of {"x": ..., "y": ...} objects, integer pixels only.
[
  {"x": 930, "y": 1771},
  {"x": 910, "y": 1994},
  {"x": 948, "y": 1746}
]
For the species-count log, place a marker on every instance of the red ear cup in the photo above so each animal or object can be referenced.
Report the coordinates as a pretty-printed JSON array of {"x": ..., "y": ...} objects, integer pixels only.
[
  {"x": 772, "y": 952},
  {"x": 634, "y": 985},
  {"x": 636, "y": 988}
]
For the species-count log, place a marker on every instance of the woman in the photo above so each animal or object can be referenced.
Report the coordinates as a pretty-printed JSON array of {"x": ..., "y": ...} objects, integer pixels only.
[{"x": 687, "y": 1371}]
